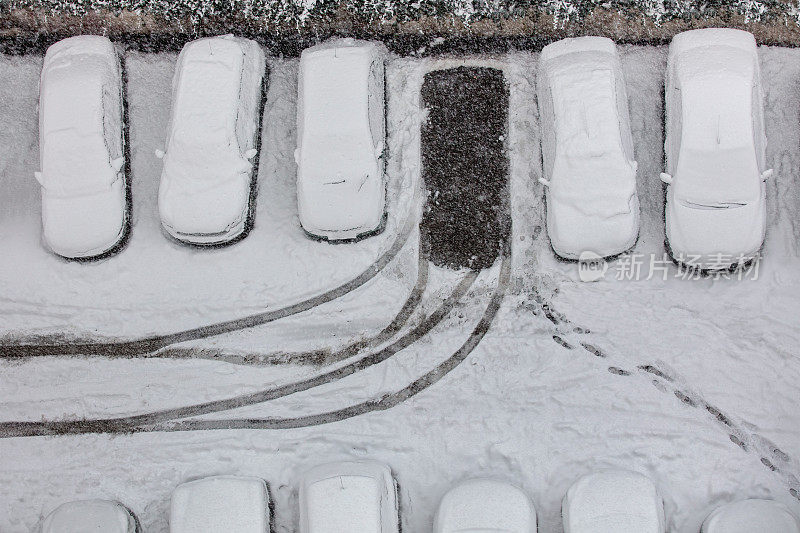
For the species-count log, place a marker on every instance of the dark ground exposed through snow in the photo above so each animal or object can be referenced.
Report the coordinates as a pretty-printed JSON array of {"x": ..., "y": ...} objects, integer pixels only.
[{"x": 465, "y": 166}]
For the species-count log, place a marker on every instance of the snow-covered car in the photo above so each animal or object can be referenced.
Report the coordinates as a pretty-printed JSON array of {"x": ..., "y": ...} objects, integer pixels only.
[
  {"x": 587, "y": 149},
  {"x": 207, "y": 191},
  {"x": 485, "y": 505},
  {"x": 715, "y": 143},
  {"x": 90, "y": 515},
  {"x": 347, "y": 497},
  {"x": 341, "y": 140},
  {"x": 748, "y": 516},
  {"x": 221, "y": 504},
  {"x": 613, "y": 502},
  {"x": 85, "y": 193}
]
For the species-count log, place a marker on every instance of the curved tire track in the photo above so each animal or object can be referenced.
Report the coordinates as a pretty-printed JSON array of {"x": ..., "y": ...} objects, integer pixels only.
[
  {"x": 149, "y": 345},
  {"x": 129, "y": 423},
  {"x": 383, "y": 403}
]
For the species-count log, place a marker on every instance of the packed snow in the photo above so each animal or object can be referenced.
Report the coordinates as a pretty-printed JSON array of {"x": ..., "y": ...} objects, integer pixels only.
[
  {"x": 588, "y": 152},
  {"x": 205, "y": 187},
  {"x": 692, "y": 382},
  {"x": 220, "y": 504}
]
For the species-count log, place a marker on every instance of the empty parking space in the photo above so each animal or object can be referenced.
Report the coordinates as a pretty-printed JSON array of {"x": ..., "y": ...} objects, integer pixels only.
[{"x": 464, "y": 165}]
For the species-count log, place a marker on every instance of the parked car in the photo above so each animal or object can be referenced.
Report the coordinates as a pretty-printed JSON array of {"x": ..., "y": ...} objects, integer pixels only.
[
  {"x": 341, "y": 140},
  {"x": 347, "y": 497},
  {"x": 613, "y": 502},
  {"x": 751, "y": 516},
  {"x": 85, "y": 193},
  {"x": 716, "y": 203},
  {"x": 90, "y": 515},
  {"x": 207, "y": 191},
  {"x": 221, "y": 504},
  {"x": 587, "y": 149},
  {"x": 485, "y": 505}
]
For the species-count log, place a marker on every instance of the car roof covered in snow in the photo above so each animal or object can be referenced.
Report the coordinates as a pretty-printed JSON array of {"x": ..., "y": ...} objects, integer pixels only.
[
  {"x": 591, "y": 171},
  {"x": 613, "y": 502},
  {"x": 485, "y": 505},
  {"x": 74, "y": 155},
  {"x": 89, "y": 515},
  {"x": 335, "y": 85},
  {"x": 220, "y": 504},
  {"x": 747, "y": 516},
  {"x": 348, "y": 496},
  {"x": 202, "y": 146},
  {"x": 717, "y": 138},
  {"x": 207, "y": 89}
]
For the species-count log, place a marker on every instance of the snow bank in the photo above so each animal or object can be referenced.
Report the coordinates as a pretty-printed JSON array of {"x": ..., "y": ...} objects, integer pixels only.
[
  {"x": 221, "y": 504},
  {"x": 100, "y": 516},
  {"x": 613, "y": 502}
]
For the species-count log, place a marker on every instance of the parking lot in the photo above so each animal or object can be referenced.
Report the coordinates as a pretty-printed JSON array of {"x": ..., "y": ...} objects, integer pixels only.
[{"x": 518, "y": 371}]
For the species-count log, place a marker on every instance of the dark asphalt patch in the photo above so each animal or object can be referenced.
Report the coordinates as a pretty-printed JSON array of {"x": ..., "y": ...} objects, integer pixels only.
[{"x": 465, "y": 167}]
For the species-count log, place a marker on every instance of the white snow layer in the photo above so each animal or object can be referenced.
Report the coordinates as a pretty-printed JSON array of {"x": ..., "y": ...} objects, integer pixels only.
[
  {"x": 220, "y": 504},
  {"x": 524, "y": 407}
]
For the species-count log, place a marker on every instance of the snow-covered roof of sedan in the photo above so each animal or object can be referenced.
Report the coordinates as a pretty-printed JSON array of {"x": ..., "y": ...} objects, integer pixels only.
[
  {"x": 348, "y": 496},
  {"x": 613, "y": 502},
  {"x": 220, "y": 504},
  {"x": 88, "y": 515},
  {"x": 716, "y": 79},
  {"x": 485, "y": 505},
  {"x": 335, "y": 75},
  {"x": 590, "y": 162},
  {"x": 751, "y": 515},
  {"x": 207, "y": 90},
  {"x": 74, "y": 154},
  {"x": 202, "y": 146}
]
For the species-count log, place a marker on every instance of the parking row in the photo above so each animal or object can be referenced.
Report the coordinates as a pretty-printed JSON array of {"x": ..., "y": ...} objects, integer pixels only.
[
  {"x": 362, "y": 497},
  {"x": 715, "y": 208}
]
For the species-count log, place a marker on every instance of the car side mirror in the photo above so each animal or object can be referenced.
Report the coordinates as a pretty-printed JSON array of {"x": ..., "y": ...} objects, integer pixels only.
[
  {"x": 544, "y": 182},
  {"x": 251, "y": 153},
  {"x": 767, "y": 174},
  {"x": 160, "y": 154},
  {"x": 297, "y": 156},
  {"x": 38, "y": 176},
  {"x": 117, "y": 163},
  {"x": 666, "y": 178},
  {"x": 635, "y": 166}
]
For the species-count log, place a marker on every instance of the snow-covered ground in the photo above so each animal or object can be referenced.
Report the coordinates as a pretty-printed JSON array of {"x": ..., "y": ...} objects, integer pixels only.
[{"x": 692, "y": 382}]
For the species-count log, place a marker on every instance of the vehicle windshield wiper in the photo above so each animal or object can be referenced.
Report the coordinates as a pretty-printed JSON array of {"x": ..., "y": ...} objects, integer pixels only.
[{"x": 713, "y": 205}]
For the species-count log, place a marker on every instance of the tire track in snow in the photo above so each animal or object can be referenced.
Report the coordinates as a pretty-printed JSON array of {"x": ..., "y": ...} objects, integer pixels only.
[
  {"x": 128, "y": 424},
  {"x": 315, "y": 357},
  {"x": 770, "y": 455},
  {"x": 383, "y": 403},
  {"x": 150, "y": 345}
]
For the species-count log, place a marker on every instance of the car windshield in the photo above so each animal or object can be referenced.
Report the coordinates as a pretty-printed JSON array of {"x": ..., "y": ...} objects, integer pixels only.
[{"x": 717, "y": 178}]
